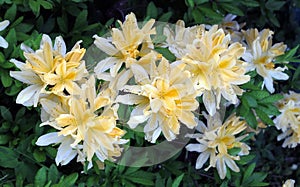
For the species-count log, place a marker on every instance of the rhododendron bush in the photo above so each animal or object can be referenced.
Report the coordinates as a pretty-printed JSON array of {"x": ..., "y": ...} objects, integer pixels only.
[{"x": 151, "y": 103}]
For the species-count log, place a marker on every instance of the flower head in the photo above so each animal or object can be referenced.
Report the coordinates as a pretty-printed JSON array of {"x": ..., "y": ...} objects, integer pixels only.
[
  {"x": 215, "y": 67},
  {"x": 49, "y": 70},
  {"x": 215, "y": 141},
  {"x": 164, "y": 96},
  {"x": 260, "y": 55},
  {"x": 289, "y": 183},
  {"x": 3, "y": 25},
  {"x": 177, "y": 39},
  {"x": 126, "y": 45},
  {"x": 89, "y": 121},
  {"x": 289, "y": 120}
]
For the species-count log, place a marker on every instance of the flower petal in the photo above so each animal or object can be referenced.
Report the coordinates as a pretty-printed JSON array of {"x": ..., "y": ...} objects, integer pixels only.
[
  {"x": 202, "y": 158},
  {"x": 50, "y": 138},
  {"x": 3, "y": 42}
]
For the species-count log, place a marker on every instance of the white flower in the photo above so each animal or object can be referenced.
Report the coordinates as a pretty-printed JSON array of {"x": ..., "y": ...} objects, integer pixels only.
[
  {"x": 289, "y": 183},
  {"x": 164, "y": 96},
  {"x": 3, "y": 25},
  {"x": 49, "y": 70},
  {"x": 216, "y": 139},
  {"x": 260, "y": 55},
  {"x": 289, "y": 120}
]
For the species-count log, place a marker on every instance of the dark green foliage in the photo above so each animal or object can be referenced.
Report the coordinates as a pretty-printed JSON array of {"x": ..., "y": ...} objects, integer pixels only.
[{"x": 22, "y": 163}]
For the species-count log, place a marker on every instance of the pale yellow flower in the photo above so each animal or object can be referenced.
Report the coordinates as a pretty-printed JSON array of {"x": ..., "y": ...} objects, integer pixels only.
[
  {"x": 289, "y": 120},
  {"x": 164, "y": 98},
  {"x": 49, "y": 70},
  {"x": 215, "y": 67},
  {"x": 229, "y": 25},
  {"x": 3, "y": 25},
  {"x": 215, "y": 139},
  {"x": 89, "y": 120},
  {"x": 126, "y": 45},
  {"x": 260, "y": 55},
  {"x": 289, "y": 183},
  {"x": 178, "y": 38}
]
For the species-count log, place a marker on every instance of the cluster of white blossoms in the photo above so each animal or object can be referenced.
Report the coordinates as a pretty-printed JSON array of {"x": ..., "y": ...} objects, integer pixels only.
[
  {"x": 84, "y": 119},
  {"x": 211, "y": 62},
  {"x": 216, "y": 139},
  {"x": 289, "y": 120}
]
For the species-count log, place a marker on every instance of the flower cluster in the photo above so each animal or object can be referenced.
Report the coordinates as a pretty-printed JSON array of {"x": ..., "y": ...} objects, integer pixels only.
[
  {"x": 50, "y": 71},
  {"x": 261, "y": 54},
  {"x": 85, "y": 121},
  {"x": 216, "y": 139},
  {"x": 289, "y": 120},
  {"x": 211, "y": 64}
]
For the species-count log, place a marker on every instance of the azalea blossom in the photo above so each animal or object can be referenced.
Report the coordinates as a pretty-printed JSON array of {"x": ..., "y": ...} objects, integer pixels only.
[
  {"x": 229, "y": 25},
  {"x": 216, "y": 68},
  {"x": 289, "y": 183},
  {"x": 3, "y": 25},
  {"x": 216, "y": 139},
  {"x": 125, "y": 46},
  {"x": 289, "y": 120},
  {"x": 260, "y": 56},
  {"x": 164, "y": 97},
  {"x": 49, "y": 70},
  {"x": 178, "y": 38},
  {"x": 86, "y": 123}
]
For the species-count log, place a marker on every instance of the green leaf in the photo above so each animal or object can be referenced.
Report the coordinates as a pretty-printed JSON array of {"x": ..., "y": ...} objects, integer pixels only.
[
  {"x": 140, "y": 180},
  {"x": 4, "y": 139},
  {"x": 13, "y": 90},
  {"x": 256, "y": 178},
  {"x": 190, "y": 3},
  {"x": 39, "y": 156},
  {"x": 251, "y": 119},
  {"x": 211, "y": 13},
  {"x": 251, "y": 101},
  {"x": 35, "y": 7},
  {"x": 198, "y": 2},
  {"x": 10, "y": 14},
  {"x": 24, "y": 27},
  {"x": 177, "y": 181},
  {"x": 6, "y": 114},
  {"x": 250, "y": 3},
  {"x": 264, "y": 117},
  {"x": 80, "y": 21},
  {"x": 198, "y": 16},
  {"x": 273, "y": 18},
  {"x": 259, "y": 184},
  {"x": 248, "y": 172},
  {"x": 165, "y": 17},
  {"x": 62, "y": 24},
  {"x": 46, "y": 4},
  {"x": 40, "y": 177},
  {"x": 246, "y": 159},
  {"x": 274, "y": 4},
  {"x": 271, "y": 99},
  {"x": 259, "y": 94},
  {"x": 53, "y": 174},
  {"x": 11, "y": 36},
  {"x": 166, "y": 53},
  {"x": 8, "y": 157},
  {"x": 232, "y": 9},
  {"x": 234, "y": 151},
  {"x": 152, "y": 11},
  {"x": 68, "y": 181}
]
